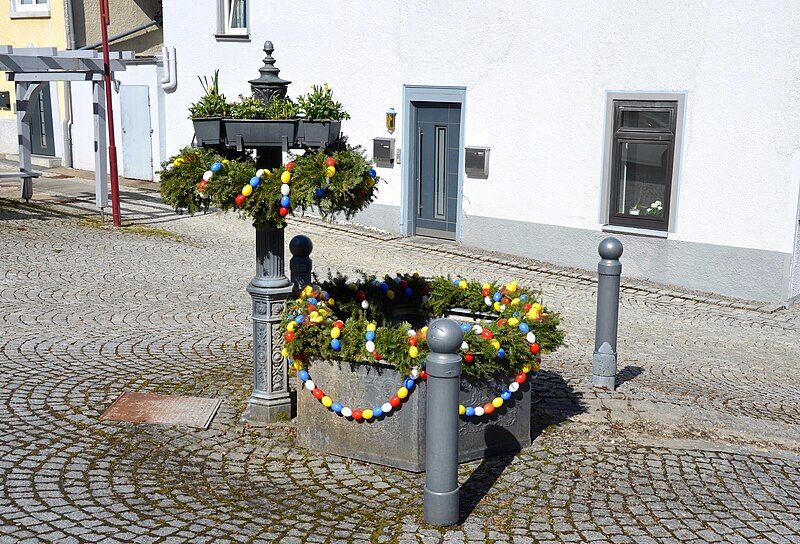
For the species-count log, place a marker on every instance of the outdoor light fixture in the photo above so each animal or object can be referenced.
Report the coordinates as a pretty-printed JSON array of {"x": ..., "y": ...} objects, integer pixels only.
[{"x": 390, "y": 115}]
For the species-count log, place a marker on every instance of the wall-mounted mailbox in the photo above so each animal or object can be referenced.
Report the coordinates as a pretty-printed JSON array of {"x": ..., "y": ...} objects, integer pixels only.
[
  {"x": 5, "y": 100},
  {"x": 476, "y": 162},
  {"x": 383, "y": 152}
]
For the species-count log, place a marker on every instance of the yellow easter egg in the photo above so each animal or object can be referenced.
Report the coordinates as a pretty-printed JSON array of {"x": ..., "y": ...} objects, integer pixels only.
[
  {"x": 285, "y": 352},
  {"x": 225, "y": 162},
  {"x": 511, "y": 287},
  {"x": 315, "y": 313},
  {"x": 497, "y": 306},
  {"x": 371, "y": 327},
  {"x": 307, "y": 290},
  {"x": 247, "y": 190},
  {"x": 515, "y": 302},
  {"x": 462, "y": 410},
  {"x": 424, "y": 331},
  {"x": 537, "y": 366},
  {"x": 463, "y": 284},
  {"x": 390, "y": 294},
  {"x": 326, "y": 401},
  {"x": 331, "y": 302},
  {"x": 335, "y": 332},
  {"x": 286, "y": 177},
  {"x": 497, "y": 402},
  {"x": 513, "y": 321},
  {"x": 536, "y": 307},
  {"x": 413, "y": 352},
  {"x": 330, "y": 171},
  {"x": 402, "y": 392},
  {"x": 353, "y": 287},
  {"x": 486, "y": 286},
  {"x": 298, "y": 364},
  {"x": 495, "y": 344},
  {"x": 526, "y": 368},
  {"x": 366, "y": 414},
  {"x": 290, "y": 326}
]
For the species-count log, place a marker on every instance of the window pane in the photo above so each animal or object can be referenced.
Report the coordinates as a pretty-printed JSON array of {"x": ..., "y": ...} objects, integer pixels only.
[
  {"x": 440, "y": 175},
  {"x": 658, "y": 120},
  {"x": 642, "y": 180},
  {"x": 238, "y": 14}
]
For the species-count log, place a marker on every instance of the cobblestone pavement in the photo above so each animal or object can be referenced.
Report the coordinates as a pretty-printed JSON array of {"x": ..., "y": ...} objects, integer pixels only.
[{"x": 701, "y": 443}]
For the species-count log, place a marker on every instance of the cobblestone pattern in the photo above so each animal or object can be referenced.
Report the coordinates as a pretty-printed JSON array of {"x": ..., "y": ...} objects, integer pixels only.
[{"x": 86, "y": 313}]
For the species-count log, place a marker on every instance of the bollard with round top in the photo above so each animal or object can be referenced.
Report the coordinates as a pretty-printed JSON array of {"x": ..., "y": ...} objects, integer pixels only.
[
  {"x": 443, "y": 366},
  {"x": 604, "y": 364},
  {"x": 300, "y": 264}
]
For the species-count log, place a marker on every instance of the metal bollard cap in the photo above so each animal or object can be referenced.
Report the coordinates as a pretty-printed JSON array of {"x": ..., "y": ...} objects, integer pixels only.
[
  {"x": 444, "y": 336},
  {"x": 610, "y": 248},
  {"x": 301, "y": 246}
]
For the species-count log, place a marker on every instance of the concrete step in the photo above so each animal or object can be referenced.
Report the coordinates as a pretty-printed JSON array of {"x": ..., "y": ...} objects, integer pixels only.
[{"x": 36, "y": 160}]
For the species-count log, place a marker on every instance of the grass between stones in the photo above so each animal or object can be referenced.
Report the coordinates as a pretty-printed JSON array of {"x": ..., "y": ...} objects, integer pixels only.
[{"x": 130, "y": 228}]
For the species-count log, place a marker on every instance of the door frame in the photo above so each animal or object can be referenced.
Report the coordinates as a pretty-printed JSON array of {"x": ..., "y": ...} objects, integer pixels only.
[{"x": 427, "y": 93}]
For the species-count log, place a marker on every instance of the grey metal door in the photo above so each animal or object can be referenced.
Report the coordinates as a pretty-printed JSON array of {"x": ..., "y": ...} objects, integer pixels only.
[
  {"x": 42, "y": 142},
  {"x": 137, "y": 155},
  {"x": 437, "y": 131}
]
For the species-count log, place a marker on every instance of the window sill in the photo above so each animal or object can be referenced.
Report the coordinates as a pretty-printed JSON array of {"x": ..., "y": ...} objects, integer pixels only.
[
  {"x": 616, "y": 229},
  {"x": 232, "y": 37},
  {"x": 33, "y": 14}
]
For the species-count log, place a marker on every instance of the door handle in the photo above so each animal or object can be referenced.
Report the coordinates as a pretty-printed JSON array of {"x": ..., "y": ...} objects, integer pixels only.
[{"x": 419, "y": 175}]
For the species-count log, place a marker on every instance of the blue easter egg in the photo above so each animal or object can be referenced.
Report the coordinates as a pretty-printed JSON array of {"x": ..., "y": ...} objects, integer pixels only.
[
  {"x": 372, "y": 172},
  {"x": 523, "y": 327},
  {"x": 470, "y": 411},
  {"x": 456, "y": 281},
  {"x": 501, "y": 353},
  {"x": 254, "y": 182},
  {"x": 298, "y": 319},
  {"x": 465, "y": 327},
  {"x": 516, "y": 314},
  {"x": 409, "y": 383},
  {"x": 408, "y": 292},
  {"x": 336, "y": 344},
  {"x": 303, "y": 375},
  {"x": 285, "y": 201},
  {"x": 325, "y": 295},
  {"x": 370, "y": 335},
  {"x": 337, "y": 407},
  {"x": 377, "y": 412},
  {"x": 505, "y": 395},
  {"x": 216, "y": 167},
  {"x": 319, "y": 192},
  {"x": 497, "y": 296},
  {"x": 311, "y": 300},
  {"x": 523, "y": 298},
  {"x": 384, "y": 286}
]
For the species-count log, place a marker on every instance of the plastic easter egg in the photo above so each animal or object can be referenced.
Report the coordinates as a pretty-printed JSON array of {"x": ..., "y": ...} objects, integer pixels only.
[
  {"x": 336, "y": 344},
  {"x": 337, "y": 407},
  {"x": 290, "y": 165},
  {"x": 530, "y": 337},
  {"x": 383, "y": 286},
  {"x": 520, "y": 378},
  {"x": 469, "y": 357},
  {"x": 478, "y": 411},
  {"x": 367, "y": 414},
  {"x": 463, "y": 284},
  {"x": 259, "y": 173},
  {"x": 291, "y": 326},
  {"x": 423, "y": 374},
  {"x": 497, "y": 296},
  {"x": 535, "y": 348},
  {"x": 364, "y": 304},
  {"x": 317, "y": 393},
  {"x": 526, "y": 368},
  {"x": 523, "y": 297},
  {"x": 371, "y": 328},
  {"x": 409, "y": 383},
  {"x": 456, "y": 282},
  {"x": 386, "y": 407},
  {"x": 289, "y": 336},
  {"x": 216, "y": 167},
  {"x": 369, "y": 335},
  {"x": 505, "y": 395},
  {"x": 285, "y": 189},
  {"x": 411, "y": 332},
  {"x": 465, "y": 327},
  {"x": 412, "y": 341},
  {"x": 310, "y": 385},
  {"x": 486, "y": 333},
  {"x": 495, "y": 344},
  {"x": 402, "y": 392},
  {"x": 415, "y": 372},
  {"x": 413, "y": 352},
  {"x": 513, "y": 321},
  {"x": 497, "y": 402},
  {"x": 319, "y": 192},
  {"x": 284, "y": 352},
  {"x": 477, "y": 329},
  {"x": 390, "y": 295},
  {"x": 207, "y": 175},
  {"x": 501, "y": 353},
  {"x": 395, "y": 401},
  {"x": 298, "y": 319},
  {"x": 513, "y": 387},
  {"x": 488, "y": 301},
  {"x": 330, "y": 171},
  {"x": 326, "y": 401},
  {"x": 369, "y": 346},
  {"x": 284, "y": 212},
  {"x": 488, "y": 408},
  {"x": 339, "y": 323},
  {"x": 523, "y": 327},
  {"x": 372, "y": 172},
  {"x": 485, "y": 292},
  {"x": 303, "y": 375},
  {"x": 462, "y": 409},
  {"x": 377, "y": 412},
  {"x": 286, "y": 177},
  {"x": 497, "y": 307},
  {"x": 239, "y": 200},
  {"x": 346, "y": 411},
  {"x": 486, "y": 286},
  {"x": 247, "y": 190},
  {"x": 357, "y": 415},
  {"x": 408, "y": 292},
  {"x": 470, "y": 411},
  {"x": 330, "y": 161},
  {"x": 336, "y": 332},
  {"x": 285, "y": 201},
  {"x": 464, "y": 346}
]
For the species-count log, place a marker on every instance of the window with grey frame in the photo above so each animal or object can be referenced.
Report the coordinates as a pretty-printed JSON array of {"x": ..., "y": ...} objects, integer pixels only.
[
  {"x": 641, "y": 163},
  {"x": 232, "y": 18}
]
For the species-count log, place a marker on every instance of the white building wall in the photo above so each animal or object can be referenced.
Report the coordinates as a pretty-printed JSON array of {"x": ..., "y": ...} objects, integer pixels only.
[{"x": 536, "y": 75}]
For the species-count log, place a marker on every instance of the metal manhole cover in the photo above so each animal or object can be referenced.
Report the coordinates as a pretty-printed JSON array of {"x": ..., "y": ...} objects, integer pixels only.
[{"x": 162, "y": 409}]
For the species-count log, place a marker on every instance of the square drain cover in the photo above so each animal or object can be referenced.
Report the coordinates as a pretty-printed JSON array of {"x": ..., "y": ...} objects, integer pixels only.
[{"x": 162, "y": 409}]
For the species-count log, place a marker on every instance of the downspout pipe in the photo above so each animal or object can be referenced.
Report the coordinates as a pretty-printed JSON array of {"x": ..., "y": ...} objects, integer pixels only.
[
  {"x": 169, "y": 82},
  {"x": 134, "y": 30}
]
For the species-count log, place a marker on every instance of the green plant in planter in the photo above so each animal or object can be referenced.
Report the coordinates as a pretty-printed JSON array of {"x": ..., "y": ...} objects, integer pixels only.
[
  {"x": 180, "y": 177},
  {"x": 319, "y": 105},
  {"x": 212, "y": 103},
  {"x": 248, "y": 107},
  {"x": 282, "y": 108}
]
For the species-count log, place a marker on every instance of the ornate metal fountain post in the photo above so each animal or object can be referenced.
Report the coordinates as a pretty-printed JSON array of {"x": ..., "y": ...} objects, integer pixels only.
[{"x": 270, "y": 288}]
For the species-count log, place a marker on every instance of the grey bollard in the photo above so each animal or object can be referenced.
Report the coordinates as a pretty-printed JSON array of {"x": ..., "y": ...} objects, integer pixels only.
[
  {"x": 604, "y": 365},
  {"x": 300, "y": 264},
  {"x": 443, "y": 365}
]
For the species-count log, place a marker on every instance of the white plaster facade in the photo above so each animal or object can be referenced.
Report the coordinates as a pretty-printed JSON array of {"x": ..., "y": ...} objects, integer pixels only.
[{"x": 537, "y": 75}]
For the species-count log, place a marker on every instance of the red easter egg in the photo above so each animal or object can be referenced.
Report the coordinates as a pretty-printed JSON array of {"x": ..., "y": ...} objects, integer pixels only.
[
  {"x": 502, "y": 322},
  {"x": 469, "y": 357},
  {"x": 535, "y": 348},
  {"x": 339, "y": 323},
  {"x": 311, "y": 307},
  {"x": 239, "y": 200},
  {"x": 485, "y": 292},
  {"x": 403, "y": 284},
  {"x": 395, "y": 401},
  {"x": 330, "y": 161},
  {"x": 284, "y": 211},
  {"x": 317, "y": 392},
  {"x": 527, "y": 306},
  {"x": 361, "y": 295},
  {"x": 377, "y": 355},
  {"x": 290, "y": 165},
  {"x": 487, "y": 334},
  {"x": 505, "y": 300},
  {"x": 488, "y": 408},
  {"x": 289, "y": 336},
  {"x": 412, "y": 340},
  {"x": 423, "y": 374},
  {"x": 520, "y": 378},
  {"x": 357, "y": 415}
]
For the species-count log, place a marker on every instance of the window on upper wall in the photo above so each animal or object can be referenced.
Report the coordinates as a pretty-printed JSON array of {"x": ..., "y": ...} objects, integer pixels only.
[
  {"x": 642, "y": 157},
  {"x": 30, "y": 8},
  {"x": 232, "y": 19}
]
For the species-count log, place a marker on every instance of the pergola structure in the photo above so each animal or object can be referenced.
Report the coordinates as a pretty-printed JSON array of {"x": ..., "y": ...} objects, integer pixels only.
[{"x": 31, "y": 68}]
